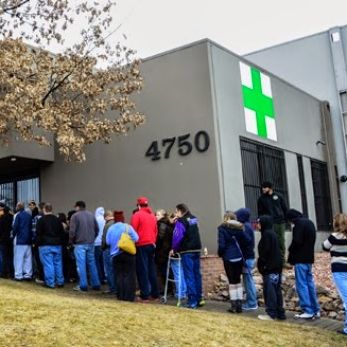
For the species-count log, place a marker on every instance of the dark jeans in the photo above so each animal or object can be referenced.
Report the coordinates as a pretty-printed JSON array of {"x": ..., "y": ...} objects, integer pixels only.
[
  {"x": 146, "y": 271},
  {"x": 280, "y": 232},
  {"x": 2, "y": 253},
  {"x": 7, "y": 259},
  {"x": 37, "y": 265},
  {"x": 192, "y": 275},
  {"x": 273, "y": 295},
  {"x": 99, "y": 260},
  {"x": 124, "y": 265},
  {"x": 69, "y": 264}
]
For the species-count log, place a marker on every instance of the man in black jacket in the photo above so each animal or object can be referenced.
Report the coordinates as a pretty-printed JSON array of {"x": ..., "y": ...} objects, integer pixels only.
[
  {"x": 49, "y": 238},
  {"x": 273, "y": 204},
  {"x": 301, "y": 255},
  {"x": 270, "y": 267},
  {"x": 6, "y": 246}
]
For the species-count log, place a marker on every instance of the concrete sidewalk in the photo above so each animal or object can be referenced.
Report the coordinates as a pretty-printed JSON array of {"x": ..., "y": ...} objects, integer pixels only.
[{"x": 221, "y": 307}]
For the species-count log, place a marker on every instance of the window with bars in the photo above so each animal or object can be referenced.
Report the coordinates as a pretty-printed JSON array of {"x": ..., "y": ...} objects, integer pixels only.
[
  {"x": 23, "y": 190},
  {"x": 321, "y": 192},
  {"x": 261, "y": 163},
  {"x": 302, "y": 185}
]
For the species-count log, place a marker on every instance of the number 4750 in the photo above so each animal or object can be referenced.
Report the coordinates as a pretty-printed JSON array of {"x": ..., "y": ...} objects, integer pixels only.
[{"x": 185, "y": 147}]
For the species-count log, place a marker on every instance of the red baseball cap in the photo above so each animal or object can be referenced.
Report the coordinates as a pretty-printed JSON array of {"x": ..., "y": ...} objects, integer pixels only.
[{"x": 142, "y": 200}]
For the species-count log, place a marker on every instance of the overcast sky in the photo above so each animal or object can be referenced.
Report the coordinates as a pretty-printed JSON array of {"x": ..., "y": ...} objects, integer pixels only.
[{"x": 154, "y": 26}]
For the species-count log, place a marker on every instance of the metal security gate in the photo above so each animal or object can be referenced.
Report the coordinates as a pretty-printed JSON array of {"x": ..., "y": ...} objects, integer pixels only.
[
  {"x": 261, "y": 163},
  {"x": 321, "y": 192}
]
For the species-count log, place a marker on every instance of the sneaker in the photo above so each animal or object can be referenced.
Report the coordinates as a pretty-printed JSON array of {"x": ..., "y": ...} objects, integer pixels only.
[
  {"x": 304, "y": 316},
  {"x": 78, "y": 289},
  {"x": 202, "y": 303},
  {"x": 317, "y": 315},
  {"x": 264, "y": 317},
  {"x": 249, "y": 308},
  {"x": 342, "y": 332},
  {"x": 46, "y": 286},
  {"x": 193, "y": 307},
  {"x": 38, "y": 281}
]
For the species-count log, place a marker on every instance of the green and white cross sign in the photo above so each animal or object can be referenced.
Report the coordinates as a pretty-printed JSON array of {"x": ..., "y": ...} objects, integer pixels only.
[{"x": 258, "y": 102}]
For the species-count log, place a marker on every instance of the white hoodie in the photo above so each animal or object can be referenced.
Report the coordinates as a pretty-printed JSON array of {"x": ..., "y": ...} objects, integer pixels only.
[{"x": 99, "y": 216}]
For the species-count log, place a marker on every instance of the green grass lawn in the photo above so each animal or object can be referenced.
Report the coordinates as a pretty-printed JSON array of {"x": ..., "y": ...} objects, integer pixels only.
[{"x": 35, "y": 316}]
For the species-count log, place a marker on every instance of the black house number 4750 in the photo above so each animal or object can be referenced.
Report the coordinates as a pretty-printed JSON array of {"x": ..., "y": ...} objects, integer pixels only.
[{"x": 185, "y": 145}]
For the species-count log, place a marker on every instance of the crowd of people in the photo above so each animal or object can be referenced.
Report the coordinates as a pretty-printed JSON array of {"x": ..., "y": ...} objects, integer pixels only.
[{"x": 85, "y": 247}]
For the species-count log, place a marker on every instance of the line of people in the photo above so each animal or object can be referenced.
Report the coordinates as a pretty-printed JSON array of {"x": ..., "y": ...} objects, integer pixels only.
[
  {"x": 47, "y": 246},
  {"x": 91, "y": 242}
]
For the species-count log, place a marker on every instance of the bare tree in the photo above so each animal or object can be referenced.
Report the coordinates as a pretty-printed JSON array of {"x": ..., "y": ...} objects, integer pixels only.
[{"x": 64, "y": 94}]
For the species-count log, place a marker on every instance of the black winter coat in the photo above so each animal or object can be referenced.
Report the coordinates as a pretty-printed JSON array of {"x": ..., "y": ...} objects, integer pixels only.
[
  {"x": 6, "y": 221},
  {"x": 164, "y": 242},
  {"x": 301, "y": 250},
  {"x": 191, "y": 240},
  {"x": 273, "y": 205},
  {"x": 270, "y": 259}
]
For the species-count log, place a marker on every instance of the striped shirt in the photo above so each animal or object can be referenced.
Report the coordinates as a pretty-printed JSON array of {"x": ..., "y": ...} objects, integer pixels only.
[{"x": 337, "y": 245}]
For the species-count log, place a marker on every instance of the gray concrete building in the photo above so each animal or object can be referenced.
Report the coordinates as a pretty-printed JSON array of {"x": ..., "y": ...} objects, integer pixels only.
[
  {"x": 317, "y": 64},
  {"x": 217, "y": 126}
]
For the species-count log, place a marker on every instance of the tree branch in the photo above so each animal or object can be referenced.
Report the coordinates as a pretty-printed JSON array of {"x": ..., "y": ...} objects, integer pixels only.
[
  {"x": 8, "y": 9},
  {"x": 55, "y": 87}
]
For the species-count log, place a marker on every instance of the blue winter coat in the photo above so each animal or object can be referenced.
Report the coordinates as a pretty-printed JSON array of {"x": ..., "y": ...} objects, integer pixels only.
[
  {"x": 243, "y": 216},
  {"x": 22, "y": 228},
  {"x": 231, "y": 239}
]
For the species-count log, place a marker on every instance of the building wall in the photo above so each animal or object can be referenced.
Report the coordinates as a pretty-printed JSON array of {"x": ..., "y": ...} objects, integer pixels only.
[
  {"x": 298, "y": 122},
  {"x": 176, "y": 100},
  {"x": 193, "y": 88},
  {"x": 316, "y": 65}
]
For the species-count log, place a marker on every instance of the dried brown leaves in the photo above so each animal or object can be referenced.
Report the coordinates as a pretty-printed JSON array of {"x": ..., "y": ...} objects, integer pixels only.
[{"x": 64, "y": 94}]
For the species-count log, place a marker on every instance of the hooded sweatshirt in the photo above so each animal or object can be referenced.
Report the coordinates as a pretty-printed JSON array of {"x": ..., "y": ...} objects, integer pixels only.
[
  {"x": 243, "y": 215},
  {"x": 270, "y": 260},
  {"x": 99, "y": 216},
  {"x": 231, "y": 240},
  {"x": 301, "y": 250},
  {"x": 145, "y": 224}
]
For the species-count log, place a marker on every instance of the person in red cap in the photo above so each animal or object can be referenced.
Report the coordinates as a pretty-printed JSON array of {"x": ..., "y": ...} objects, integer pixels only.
[{"x": 145, "y": 224}]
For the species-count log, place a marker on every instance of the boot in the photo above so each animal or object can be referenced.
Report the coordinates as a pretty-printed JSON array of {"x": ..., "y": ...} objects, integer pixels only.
[
  {"x": 232, "y": 308},
  {"x": 238, "y": 306}
]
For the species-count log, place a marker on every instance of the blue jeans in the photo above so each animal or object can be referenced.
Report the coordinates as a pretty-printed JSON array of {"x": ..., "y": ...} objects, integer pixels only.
[
  {"x": 273, "y": 295},
  {"x": 248, "y": 283},
  {"x": 110, "y": 271},
  {"x": 340, "y": 279},
  {"x": 306, "y": 288},
  {"x": 84, "y": 255},
  {"x": 192, "y": 275},
  {"x": 146, "y": 271},
  {"x": 180, "y": 283},
  {"x": 99, "y": 261},
  {"x": 51, "y": 258}
]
